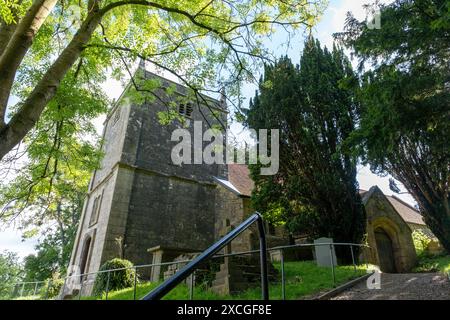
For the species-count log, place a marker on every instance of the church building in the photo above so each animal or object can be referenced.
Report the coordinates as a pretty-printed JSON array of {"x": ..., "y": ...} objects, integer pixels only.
[{"x": 142, "y": 207}]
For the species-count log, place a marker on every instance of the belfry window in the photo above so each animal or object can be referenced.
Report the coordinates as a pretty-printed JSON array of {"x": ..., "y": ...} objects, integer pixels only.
[
  {"x": 186, "y": 109},
  {"x": 182, "y": 109},
  {"x": 189, "y": 109}
]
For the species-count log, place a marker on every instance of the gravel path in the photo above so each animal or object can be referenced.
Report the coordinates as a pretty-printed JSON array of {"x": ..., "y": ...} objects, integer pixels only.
[{"x": 418, "y": 286}]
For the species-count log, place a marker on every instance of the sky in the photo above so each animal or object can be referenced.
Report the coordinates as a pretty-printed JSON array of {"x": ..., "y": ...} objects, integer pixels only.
[{"x": 332, "y": 21}]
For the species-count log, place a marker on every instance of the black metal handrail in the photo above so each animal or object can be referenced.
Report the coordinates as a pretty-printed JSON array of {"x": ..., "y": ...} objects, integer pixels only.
[{"x": 188, "y": 269}]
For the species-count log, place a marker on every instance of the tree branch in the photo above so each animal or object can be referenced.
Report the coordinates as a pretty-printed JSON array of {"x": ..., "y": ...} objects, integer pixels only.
[
  {"x": 25, "y": 119},
  {"x": 18, "y": 45}
]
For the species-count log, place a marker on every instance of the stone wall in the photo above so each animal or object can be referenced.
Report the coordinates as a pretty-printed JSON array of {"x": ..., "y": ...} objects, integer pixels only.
[
  {"x": 170, "y": 212},
  {"x": 230, "y": 206}
]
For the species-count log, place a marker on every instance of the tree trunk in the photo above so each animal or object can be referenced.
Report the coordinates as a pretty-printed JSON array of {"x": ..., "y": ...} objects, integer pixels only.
[
  {"x": 437, "y": 219},
  {"x": 25, "y": 119},
  {"x": 427, "y": 185},
  {"x": 17, "y": 46}
]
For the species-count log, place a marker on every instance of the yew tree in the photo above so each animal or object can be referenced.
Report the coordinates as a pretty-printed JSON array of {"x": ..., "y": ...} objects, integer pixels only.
[
  {"x": 404, "y": 91},
  {"x": 206, "y": 44},
  {"x": 315, "y": 191}
]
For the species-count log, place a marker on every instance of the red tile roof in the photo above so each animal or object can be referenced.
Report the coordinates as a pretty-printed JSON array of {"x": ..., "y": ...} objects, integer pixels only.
[
  {"x": 407, "y": 212},
  {"x": 239, "y": 177}
]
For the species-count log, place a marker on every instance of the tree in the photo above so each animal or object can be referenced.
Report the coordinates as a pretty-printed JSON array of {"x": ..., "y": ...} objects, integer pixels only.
[
  {"x": 315, "y": 190},
  {"x": 405, "y": 97},
  {"x": 10, "y": 272},
  {"x": 50, "y": 207},
  {"x": 50, "y": 175},
  {"x": 207, "y": 44},
  {"x": 55, "y": 245}
]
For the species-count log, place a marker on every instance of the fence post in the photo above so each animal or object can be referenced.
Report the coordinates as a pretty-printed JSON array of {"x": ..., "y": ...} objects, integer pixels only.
[
  {"x": 81, "y": 288},
  {"x": 48, "y": 289},
  {"x": 332, "y": 264},
  {"x": 366, "y": 258},
  {"x": 135, "y": 281},
  {"x": 191, "y": 287},
  {"x": 353, "y": 258},
  {"x": 283, "y": 280},
  {"x": 13, "y": 291},
  {"x": 35, "y": 288},
  {"x": 107, "y": 285},
  {"x": 64, "y": 287},
  {"x": 263, "y": 258},
  {"x": 21, "y": 291}
]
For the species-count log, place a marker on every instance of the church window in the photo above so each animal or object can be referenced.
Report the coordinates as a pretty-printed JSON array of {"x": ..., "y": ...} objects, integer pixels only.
[{"x": 95, "y": 209}]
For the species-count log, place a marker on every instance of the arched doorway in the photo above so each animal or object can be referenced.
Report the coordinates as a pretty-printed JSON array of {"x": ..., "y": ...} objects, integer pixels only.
[
  {"x": 85, "y": 256},
  {"x": 385, "y": 251}
]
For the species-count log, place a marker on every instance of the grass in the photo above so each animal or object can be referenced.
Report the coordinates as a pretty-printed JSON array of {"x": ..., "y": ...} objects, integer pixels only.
[
  {"x": 434, "y": 264},
  {"x": 36, "y": 297},
  {"x": 302, "y": 279}
]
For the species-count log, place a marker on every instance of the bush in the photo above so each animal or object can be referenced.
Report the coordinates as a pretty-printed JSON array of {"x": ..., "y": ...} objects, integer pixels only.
[
  {"x": 421, "y": 242},
  {"x": 434, "y": 264},
  {"x": 53, "y": 288},
  {"x": 117, "y": 280}
]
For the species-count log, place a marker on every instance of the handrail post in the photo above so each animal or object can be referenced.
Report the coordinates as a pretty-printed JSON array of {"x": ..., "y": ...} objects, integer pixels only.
[
  {"x": 263, "y": 258},
  {"x": 283, "y": 280}
]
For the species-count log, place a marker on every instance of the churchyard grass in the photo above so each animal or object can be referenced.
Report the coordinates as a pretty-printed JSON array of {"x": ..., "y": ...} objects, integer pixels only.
[{"x": 302, "y": 279}]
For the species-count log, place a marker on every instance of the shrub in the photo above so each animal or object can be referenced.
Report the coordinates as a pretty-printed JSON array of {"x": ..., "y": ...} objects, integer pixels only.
[
  {"x": 55, "y": 288},
  {"x": 421, "y": 242},
  {"x": 119, "y": 279}
]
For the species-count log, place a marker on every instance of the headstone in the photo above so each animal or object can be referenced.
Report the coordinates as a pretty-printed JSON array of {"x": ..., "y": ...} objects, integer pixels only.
[{"x": 325, "y": 254}]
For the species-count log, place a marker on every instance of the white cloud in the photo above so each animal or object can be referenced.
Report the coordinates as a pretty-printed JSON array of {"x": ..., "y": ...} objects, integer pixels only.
[
  {"x": 335, "y": 15},
  {"x": 11, "y": 240}
]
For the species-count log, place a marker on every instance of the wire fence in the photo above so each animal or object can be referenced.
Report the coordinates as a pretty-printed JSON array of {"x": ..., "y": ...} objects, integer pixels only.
[{"x": 80, "y": 286}]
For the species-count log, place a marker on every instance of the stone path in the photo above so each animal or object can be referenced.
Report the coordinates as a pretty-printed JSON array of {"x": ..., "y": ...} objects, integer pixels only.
[{"x": 418, "y": 286}]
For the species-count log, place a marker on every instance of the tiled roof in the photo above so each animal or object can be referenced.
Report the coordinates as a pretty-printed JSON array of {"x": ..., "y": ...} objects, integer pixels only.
[
  {"x": 239, "y": 177},
  {"x": 407, "y": 212}
]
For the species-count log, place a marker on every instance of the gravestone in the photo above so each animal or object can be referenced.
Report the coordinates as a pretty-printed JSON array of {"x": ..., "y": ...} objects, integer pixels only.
[{"x": 325, "y": 255}]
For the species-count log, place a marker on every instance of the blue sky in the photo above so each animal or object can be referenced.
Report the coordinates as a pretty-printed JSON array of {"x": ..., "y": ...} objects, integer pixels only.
[{"x": 332, "y": 21}]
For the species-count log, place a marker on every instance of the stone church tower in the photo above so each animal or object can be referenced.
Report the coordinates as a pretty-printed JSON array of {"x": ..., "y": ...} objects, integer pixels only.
[{"x": 139, "y": 199}]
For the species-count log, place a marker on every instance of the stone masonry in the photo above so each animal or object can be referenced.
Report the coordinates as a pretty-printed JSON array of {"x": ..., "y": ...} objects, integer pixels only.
[{"x": 140, "y": 200}]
